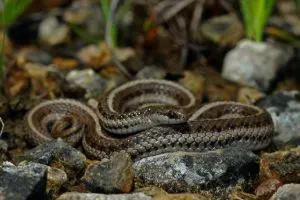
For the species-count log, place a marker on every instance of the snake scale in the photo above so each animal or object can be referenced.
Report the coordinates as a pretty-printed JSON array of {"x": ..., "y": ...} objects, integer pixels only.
[{"x": 149, "y": 117}]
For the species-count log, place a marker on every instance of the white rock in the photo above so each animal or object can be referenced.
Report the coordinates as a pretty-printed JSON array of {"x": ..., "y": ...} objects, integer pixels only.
[
  {"x": 52, "y": 32},
  {"x": 256, "y": 63}
]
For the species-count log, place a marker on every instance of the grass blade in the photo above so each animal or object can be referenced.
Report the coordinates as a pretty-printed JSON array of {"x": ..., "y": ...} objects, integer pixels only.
[
  {"x": 13, "y": 9},
  {"x": 256, "y": 14}
]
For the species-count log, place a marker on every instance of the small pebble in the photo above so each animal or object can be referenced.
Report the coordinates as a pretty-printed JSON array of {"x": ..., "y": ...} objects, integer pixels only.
[
  {"x": 51, "y": 25},
  {"x": 110, "y": 176}
]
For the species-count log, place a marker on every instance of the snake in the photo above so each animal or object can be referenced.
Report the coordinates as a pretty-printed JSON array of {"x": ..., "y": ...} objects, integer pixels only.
[{"x": 148, "y": 117}]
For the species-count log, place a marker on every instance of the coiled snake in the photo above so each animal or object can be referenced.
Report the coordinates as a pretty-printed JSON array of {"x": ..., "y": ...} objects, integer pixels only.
[{"x": 149, "y": 117}]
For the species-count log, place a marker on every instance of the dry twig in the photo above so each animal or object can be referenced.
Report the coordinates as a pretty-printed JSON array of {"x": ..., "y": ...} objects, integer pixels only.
[
  {"x": 197, "y": 15},
  {"x": 170, "y": 8}
]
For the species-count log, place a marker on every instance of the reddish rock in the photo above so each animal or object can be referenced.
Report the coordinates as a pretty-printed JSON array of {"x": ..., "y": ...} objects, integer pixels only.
[
  {"x": 267, "y": 188},
  {"x": 281, "y": 165}
]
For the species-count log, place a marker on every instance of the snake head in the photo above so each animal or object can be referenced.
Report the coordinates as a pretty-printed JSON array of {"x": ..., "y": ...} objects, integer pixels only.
[{"x": 168, "y": 116}]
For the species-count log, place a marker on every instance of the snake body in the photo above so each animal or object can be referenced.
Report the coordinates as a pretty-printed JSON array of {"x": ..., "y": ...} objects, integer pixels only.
[{"x": 149, "y": 117}]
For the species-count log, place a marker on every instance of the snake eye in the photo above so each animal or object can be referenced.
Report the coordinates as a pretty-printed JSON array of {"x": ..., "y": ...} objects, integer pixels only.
[{"x": 175, "y": 116}]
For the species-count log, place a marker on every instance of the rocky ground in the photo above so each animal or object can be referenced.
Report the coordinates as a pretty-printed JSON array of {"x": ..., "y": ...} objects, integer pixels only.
[{"x": 61, "y": 52}]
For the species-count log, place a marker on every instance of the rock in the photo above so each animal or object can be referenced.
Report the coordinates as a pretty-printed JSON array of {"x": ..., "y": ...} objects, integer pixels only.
[
  {"x": 87, "y": 16},
  {"x": 25, "y": 181},
  {"x": 282, "y": 165},
  {"x": 267, "y": 188},
  {"x": 110, "y": 176},
  {"x": 95, "y": 55},
  {"x": 225, "y": 29},
  {"x": 216, "y": 171},
  {"x": 57, "y": 154},
  {"x": 87, "y": 79},
  {"x": 151, "y": 72},
  {"x": 49, "y": 26},
  {"x": 287, "y": 192},
  {"x": 249, "y": 95},
  {"x": 65, "y": 63},
  {"x": 78, "y": 12},
  {"x": 38, "y": 71},
  {"x": 55, "y": 180},
  {"x": 92, "y": 196},
  {"x": 182, "y": 196},
  {"x": 32, "y": 54},
  {"x": 254, "y": 63},
  {"x": 284, "y": 108},
  {"x": 38, "y": 56}
]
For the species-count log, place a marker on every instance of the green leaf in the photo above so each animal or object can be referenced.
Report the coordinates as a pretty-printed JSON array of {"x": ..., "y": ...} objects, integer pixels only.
[
  {"x": 105, "y": 8},
  {"x": 12, "y": 9}
]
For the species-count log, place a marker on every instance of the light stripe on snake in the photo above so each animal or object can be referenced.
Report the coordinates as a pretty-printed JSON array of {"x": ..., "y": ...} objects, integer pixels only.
[{"x": 148, "y": 117}]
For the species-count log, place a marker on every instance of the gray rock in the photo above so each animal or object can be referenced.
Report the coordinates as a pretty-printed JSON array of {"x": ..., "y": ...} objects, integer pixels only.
[
  {"x": 88, "y": 15},
  {"x": 110, "y": 176},
  {"x": 151, "y": 72},
  {"x": 25, "y": 181},
  {"x": 91, "y": 196},
  {"x": 39, "y": 56},
  {"x": 218, "y": 171},
  {"x": 255, "y": 63},
  {"x": 287, "y": 192},
  {"x": 87, "y": 79},
  {"x": 285, "y": 111},
  {"x": 57, "y": 153}
]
